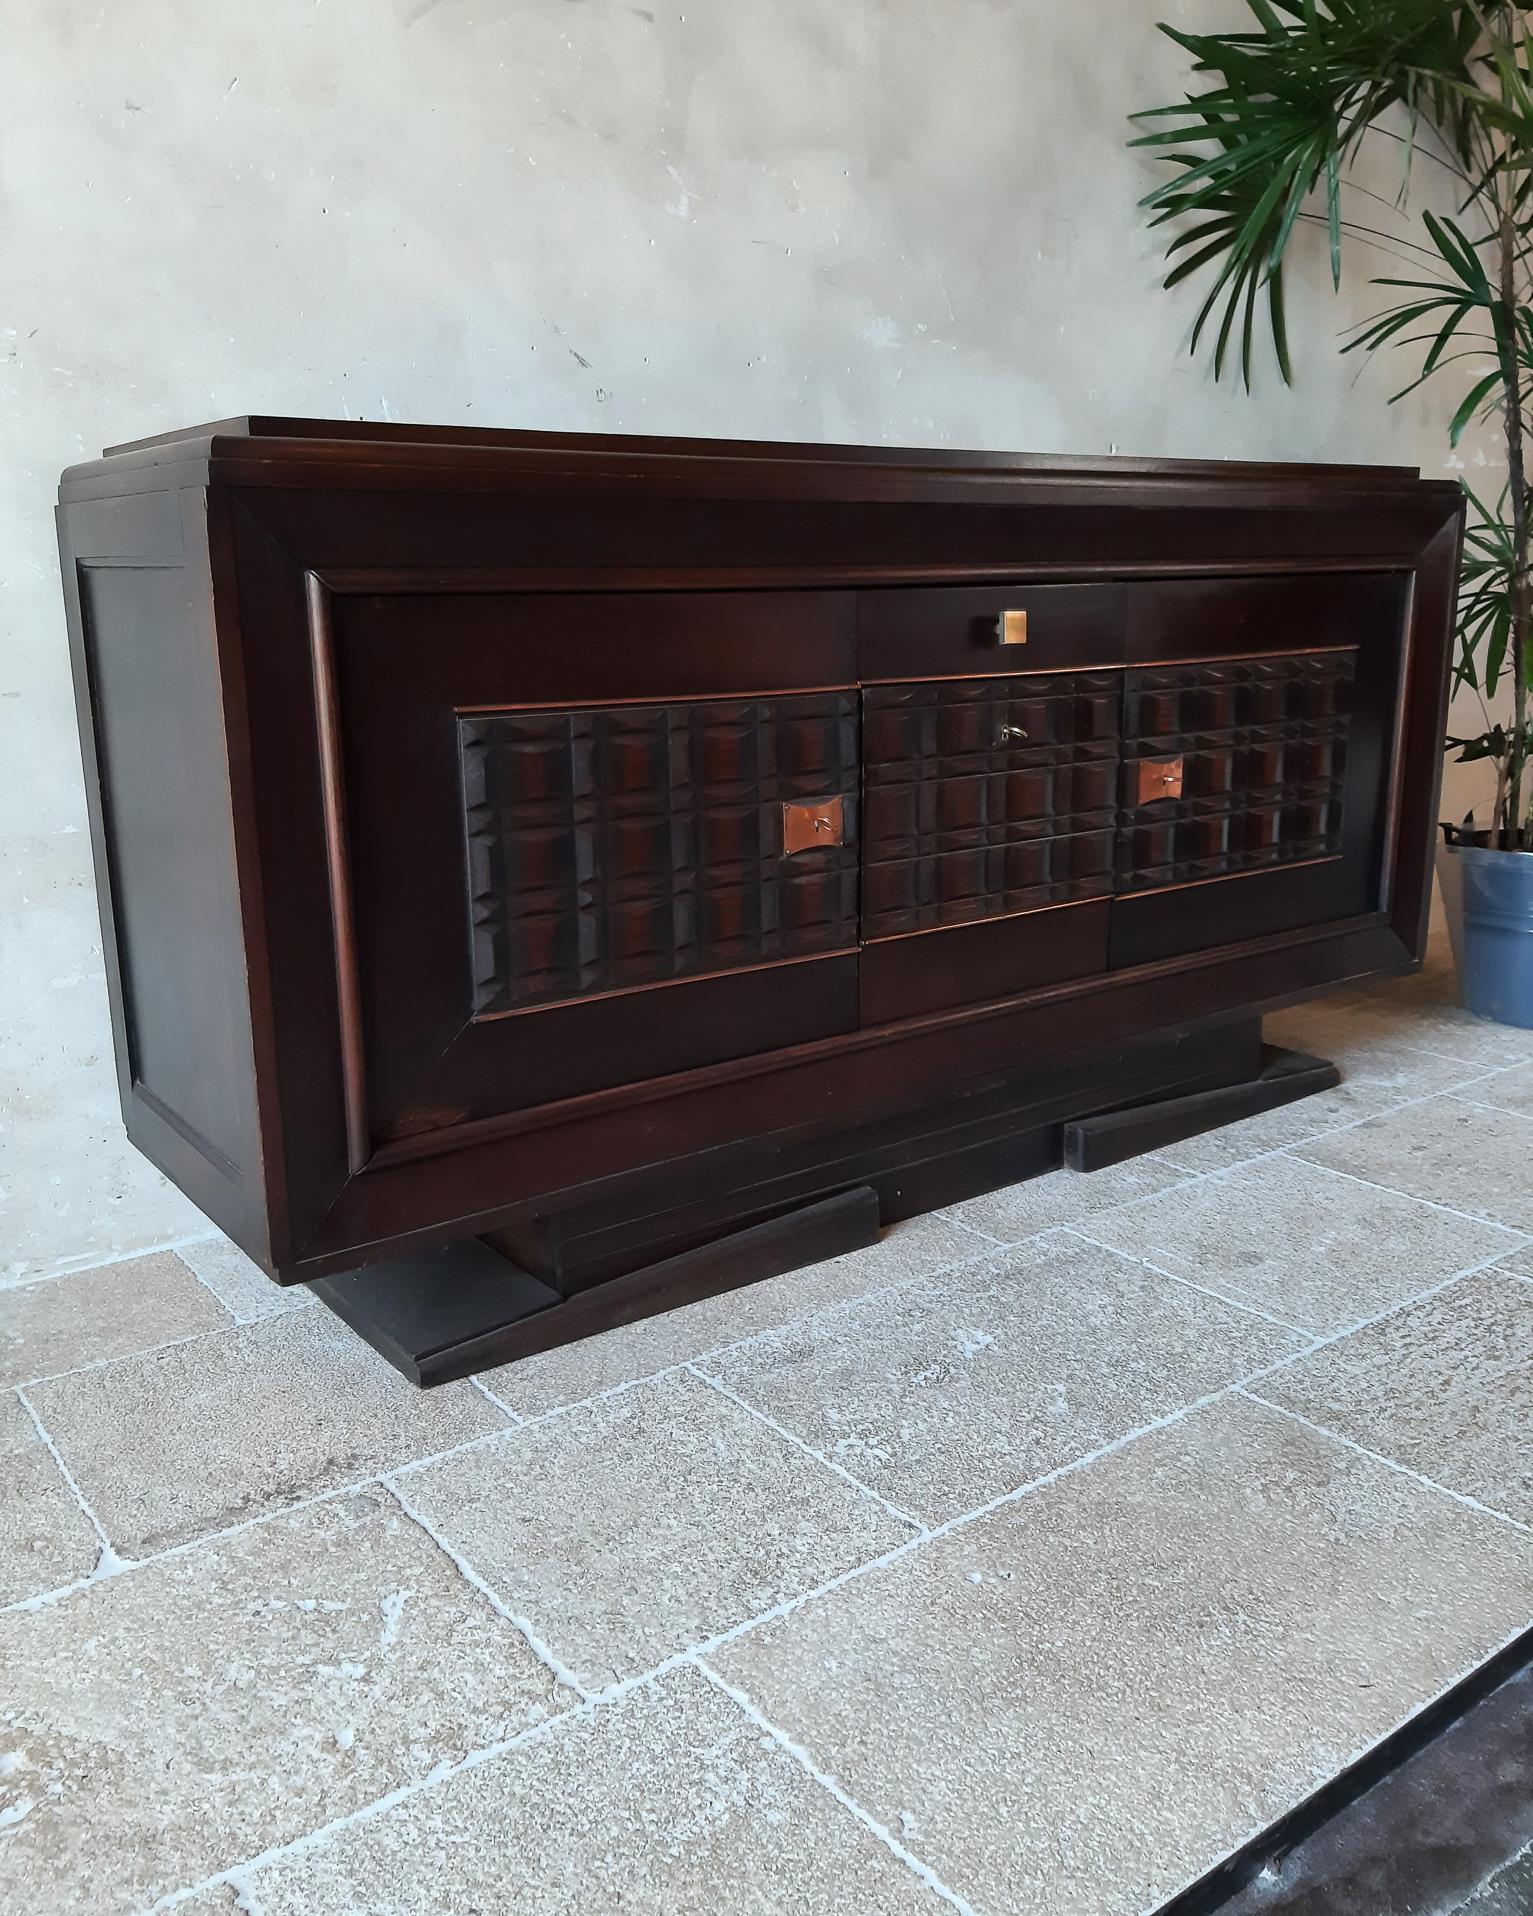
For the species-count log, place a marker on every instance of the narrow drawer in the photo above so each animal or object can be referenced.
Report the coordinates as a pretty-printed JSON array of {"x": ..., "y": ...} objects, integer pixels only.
[
  {"x": 1173, "y": 619},
  {"x": 946, "y": 632}
]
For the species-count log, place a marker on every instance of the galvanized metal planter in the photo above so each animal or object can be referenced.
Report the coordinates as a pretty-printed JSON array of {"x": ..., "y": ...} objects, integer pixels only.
[{"x": 1488, "y": 896}]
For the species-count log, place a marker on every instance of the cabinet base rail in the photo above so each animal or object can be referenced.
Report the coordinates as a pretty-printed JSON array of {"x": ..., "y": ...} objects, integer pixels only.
[{"x": 633, "y": 1247}]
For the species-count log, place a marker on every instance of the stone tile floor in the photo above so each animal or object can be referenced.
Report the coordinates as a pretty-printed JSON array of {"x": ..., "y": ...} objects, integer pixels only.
[{"x": 1030, "y": 1561}]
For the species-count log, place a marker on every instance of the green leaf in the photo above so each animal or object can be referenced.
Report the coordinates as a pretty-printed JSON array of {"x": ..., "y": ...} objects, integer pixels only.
[
  {"x": 1279, "y": 321},
  {"x": 1477, "y": 397}
]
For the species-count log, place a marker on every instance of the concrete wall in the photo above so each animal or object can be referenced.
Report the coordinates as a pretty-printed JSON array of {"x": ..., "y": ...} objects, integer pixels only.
[{"x": 900, "y": 220}]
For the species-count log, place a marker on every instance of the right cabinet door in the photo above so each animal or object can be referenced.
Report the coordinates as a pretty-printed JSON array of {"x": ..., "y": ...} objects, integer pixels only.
[{"x": 1254, "y": 786}]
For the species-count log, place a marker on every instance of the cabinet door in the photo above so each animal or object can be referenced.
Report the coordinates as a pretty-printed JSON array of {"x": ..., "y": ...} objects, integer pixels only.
[
  {"x": 1254, "y": 786},
  {"x": 553, "y": 893},
  {"x": 989, "y": 813}
]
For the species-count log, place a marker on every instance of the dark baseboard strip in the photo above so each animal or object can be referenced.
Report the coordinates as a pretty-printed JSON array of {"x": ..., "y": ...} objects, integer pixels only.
[{"x": 1418, "y": 1823}]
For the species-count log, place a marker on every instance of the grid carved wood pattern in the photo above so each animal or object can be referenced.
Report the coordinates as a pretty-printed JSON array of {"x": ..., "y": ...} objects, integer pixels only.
[
  {"x": 636, "y": 844},
  {"x": 987, "y": 797},
  {"x": 1263, "y": 745}
]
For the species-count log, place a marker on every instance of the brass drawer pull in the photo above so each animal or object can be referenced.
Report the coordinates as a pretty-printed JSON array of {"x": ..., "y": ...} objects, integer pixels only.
[
  {"x": 1011, "y": 628},
  {"x": 810, "y": 823}
]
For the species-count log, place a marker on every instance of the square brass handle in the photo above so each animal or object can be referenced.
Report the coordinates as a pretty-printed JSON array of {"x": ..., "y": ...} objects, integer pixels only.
[
  {"x": 1011, "y": 628},
  {"x": 809, "y": 824}
]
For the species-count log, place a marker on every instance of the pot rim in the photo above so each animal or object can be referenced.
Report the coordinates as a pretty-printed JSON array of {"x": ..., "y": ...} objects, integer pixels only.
[{"x": 1449, "y": 843}]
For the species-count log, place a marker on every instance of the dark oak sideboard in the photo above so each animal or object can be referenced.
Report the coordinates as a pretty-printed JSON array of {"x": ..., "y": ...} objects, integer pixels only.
[{"x": 548, "y": 877}]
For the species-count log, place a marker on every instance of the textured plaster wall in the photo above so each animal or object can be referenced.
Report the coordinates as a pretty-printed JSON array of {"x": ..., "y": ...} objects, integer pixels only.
[{"x": 900, "y": 220}]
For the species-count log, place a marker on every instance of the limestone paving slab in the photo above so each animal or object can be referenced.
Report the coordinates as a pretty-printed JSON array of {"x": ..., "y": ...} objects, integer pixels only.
[
  {"x": 1449, "y": 1029},
  {"x": 1448, "y": 1151},
  {"x": 1444, "y": 1386},
  {"x": 240, "y": 1285},
  {"x": 1077, "y": 1704},
  {"x": 575, "y": 1371},
  {"x": 1063, "y": 1198},
  {"x": 1283, "y": 1234},
  {"x": 46, "y": 1539},
  {"x": 1510, "y": 1090},
  {"x": 59, "y": 1323},
  {"x": 1296, "y": 1123},
  {"x": 158, "y": 1726},
  {"x": 1384, "y": 1046},
  {"x": 185, "y": 1441},
  {"x": 671, "y": 1799},
  {"x": 956, "y": 1390},
  {"x": 634, "y": 1527}
]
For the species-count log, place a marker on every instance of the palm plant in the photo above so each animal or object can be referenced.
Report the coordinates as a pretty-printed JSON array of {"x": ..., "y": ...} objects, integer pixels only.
[{"x": 1275, "y": 137}]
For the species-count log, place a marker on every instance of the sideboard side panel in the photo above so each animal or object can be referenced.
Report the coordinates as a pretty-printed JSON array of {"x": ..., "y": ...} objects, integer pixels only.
[{"x": 156, "y": 769}]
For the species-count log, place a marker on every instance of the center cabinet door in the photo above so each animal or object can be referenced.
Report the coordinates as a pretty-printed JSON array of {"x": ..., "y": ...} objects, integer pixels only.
[
  {"x": 992, "y": 718},
  {"x": 594, "y": 838}
]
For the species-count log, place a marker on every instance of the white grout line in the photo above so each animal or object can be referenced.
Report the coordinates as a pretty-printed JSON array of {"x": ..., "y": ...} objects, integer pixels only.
[
  {"x": 1296, "y": 1152},
  {"x": 806, "y": 1762},
  {"x": 149, "y": 1350},
  {"x": 1390, "y": 1108},
  {"x": 790, "y": 1437},
  {"x": 1186, "y": 1175},
  {"x": 1378, "y": 1457},
  {"x": 88, "y": 1261},
  {"x": 108, "y": 1563},
  {"x": 204, "y": 1539},
  {"x": 246, "y": 1902},
  {"x": 788, "y": 1605},
  {"x": 984, "y": 1254},
  {"x": 1326, "y": 1339},
  {"x": 522, "y": 1625},
  {"x": 439, "y": 1773},
  {"x": 950, "y": 1216},
  {"x": 286, "y": 1297},
  {"x": 499, "y": 1402},
  {"x": 1500, "y": 1110},
  {"x": 1480, "y": 1104},
  {"x": 1191, "y": 1284}
]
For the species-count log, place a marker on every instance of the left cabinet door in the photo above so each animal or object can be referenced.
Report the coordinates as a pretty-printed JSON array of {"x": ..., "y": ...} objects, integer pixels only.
[{"x": 592, "y": 838}]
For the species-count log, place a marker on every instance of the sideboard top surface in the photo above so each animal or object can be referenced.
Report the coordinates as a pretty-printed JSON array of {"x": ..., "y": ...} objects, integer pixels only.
[{"x": 273, "y": 451}]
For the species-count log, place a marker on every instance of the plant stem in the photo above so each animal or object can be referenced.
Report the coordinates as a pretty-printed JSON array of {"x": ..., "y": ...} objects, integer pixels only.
[{"x": 1509, "y": 825}]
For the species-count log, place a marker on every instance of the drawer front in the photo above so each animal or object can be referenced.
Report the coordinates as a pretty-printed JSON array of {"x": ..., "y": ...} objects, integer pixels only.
[
  {"x": 918, "y": 632},
  {"x": 1182, "y": 619},
  {"x": 554, "y": 894}
]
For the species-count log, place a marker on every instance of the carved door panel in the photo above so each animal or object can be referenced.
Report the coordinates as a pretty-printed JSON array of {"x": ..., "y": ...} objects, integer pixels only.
[
  {"x": 614, "y": 848},
  {"x": 989, "y": 814},
  {"x": 556, "y": 892},
  {"x": 1216, "y": 771},
  {"x": 1255, "y": 787}
]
